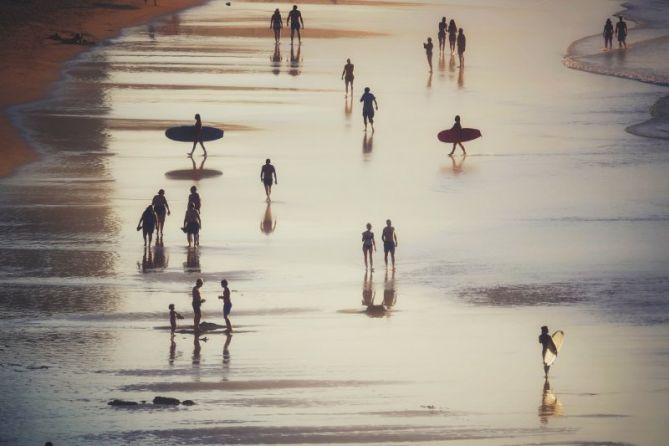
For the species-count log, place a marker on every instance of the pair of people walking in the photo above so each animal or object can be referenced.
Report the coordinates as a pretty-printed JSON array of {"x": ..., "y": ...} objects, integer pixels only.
[
  {"x": 620, "y": 31},
  {"x": 294, "y": 20},
  {"x": 389, "y": 239},
  {"x": 153, "y": 218}
]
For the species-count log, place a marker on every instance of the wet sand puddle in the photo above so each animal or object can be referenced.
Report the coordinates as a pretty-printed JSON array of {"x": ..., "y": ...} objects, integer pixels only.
[{"x": 551, "y": 219}]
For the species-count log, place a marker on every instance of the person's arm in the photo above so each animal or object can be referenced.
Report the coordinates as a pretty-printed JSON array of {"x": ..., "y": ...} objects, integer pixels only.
[
  {"x": 139, "y": 223},
  {"x": 186, "y": 219},
  {"x": 271, "y": 22},
  {"x": 168, "y": 207},
  {"x": 301, "y": 20},
  {"x": 262, "y": 171},
  {"x": 199, "y": 221},
  {"x": 395, "y": 237},
  {"x": 376, "y": 104},
  {"x": 276, "y": 179},
  {"x": 362, "y": 98},
  {"x": 373, "y": 242},
  {"x": 342, "y": 72}
]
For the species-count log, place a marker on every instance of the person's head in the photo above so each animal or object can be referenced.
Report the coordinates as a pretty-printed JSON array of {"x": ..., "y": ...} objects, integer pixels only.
[
  {"x": 171, "y": 307},
  {"x": 267, "y": 161},
  {"x": 366, "y": 89},
  {"x": 224, "y": 283},
  {"x": 276, "y": 11},
  {"x": 197, "y": 116},
  {"x": 460, "y": 31},
  {"x": 369, "y": 226},
  {"x": 452, "y": 22},
  {"x": 149, "y": 207},
  {"x": 388, "y": 222},
  {"x": 193, "y": 189},
  {"x": 544, "y": 329},
  {"x": 429, "y": 39},
  {"x": 620, "y": 18},
  {"x": 161, "y": 192},
  {"x": 608, "y": 21},
  {"x": 198, "y": 283},
  {"x": 457, "y": 118},
  {"x": 348, "y": 60},
  {"x": 443, "y": 20},
  {"x": 294, "y": 7}
]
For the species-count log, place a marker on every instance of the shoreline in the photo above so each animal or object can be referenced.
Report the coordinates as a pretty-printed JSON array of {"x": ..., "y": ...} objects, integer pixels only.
[
  {"x": 657, "y": 125},
  {"x": 31, "y": 62}
]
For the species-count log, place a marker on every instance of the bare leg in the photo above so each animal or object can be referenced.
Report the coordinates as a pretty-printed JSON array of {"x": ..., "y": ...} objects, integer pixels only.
[
  {"x": 364, "y": 254},
  {"x": 453, "y": 150},
  {"x": 392, "y": 256},
  {"x": 193, "y": 149},
  {"x": 299, "y": 37},
  {"x": 203, "y": 149},
  {"x": 228, "y": 324},
  {"x": 463, "y": 148},
  {"x": 190, "y": 239},
  {"x": 546, "y": 369},
  {"x": 385, "y": 259},
  {"x": 196, "y": 239},
  {"x": 364, "y": 118}
]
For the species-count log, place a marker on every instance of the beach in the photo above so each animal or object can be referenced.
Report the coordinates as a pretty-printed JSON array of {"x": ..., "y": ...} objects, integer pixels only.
[{"x": 557, "y": 216}]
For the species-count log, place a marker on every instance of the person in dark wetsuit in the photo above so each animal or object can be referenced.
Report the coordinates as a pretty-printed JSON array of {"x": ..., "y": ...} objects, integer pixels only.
[
  {"x": 546, "y": 342},
  {"x": 347, "y": 75},
  {"x": 452, "y": 35},
  {"x": 608, "y": 34},
  {"x": 295, "y": 21},
  {"x": 462, "y": 43},
  {"x": 227, "y": 305},
  {"x": 197, "y": 304},
  {"x": 442, "y": 34},
  {"x": 428, "y": 51},
  {"x": 621, "y": 32},
  {"x": 368, "y": 105},
  {"x": 194, "y": 198},
  {"x": 276, "y": 23},
  {"x": 192, "y": 225},
  {"x": 268, "y": 177},
  {"x": 198, "y": 135},
  {"x": 368, "y": 244},
  {"x": 161, "y": 208},
  {"x": 147, "y": 223},
  {"x": 457, "y": 127}
]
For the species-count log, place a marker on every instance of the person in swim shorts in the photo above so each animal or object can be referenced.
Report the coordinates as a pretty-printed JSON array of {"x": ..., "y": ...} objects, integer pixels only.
[
  {"x": 268, "y": 177},
  {"x": 347, "y": 75},
  {"x": 227, "y": 305},
  {"x": 147, "y": 223},
  {"x": 442, "y": 34},
  {"x": 368, "y": 105},
  {"x": 389, "y": 238},
  {"x": 295, "y": 21},
  {"x": 192, "y": 225},
  {"x": 197, "y": 304},
  {"x": 161, "y": 208}
]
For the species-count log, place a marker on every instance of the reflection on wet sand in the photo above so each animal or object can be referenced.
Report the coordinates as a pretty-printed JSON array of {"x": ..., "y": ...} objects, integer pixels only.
[
  {"x": 368, "y": 291},
  {"x": 367, "y": 143},
  {"x": 442, "y": 64},
  {"x": 429, "y": 80},
  {"x": 451, "y": 65},
  {"x": 194, "y": 174},
  {"x": 295, "y": 60},
  {"x": 276, "y": 60},
  {"x": 196, "y": 350},
  {"x": 268, "y": 224},
  {"x": 389, "y": 297},
  {"x": 154, "y": 260},
  {"x": 550, "y": 405},
  {"x": 226, "y": 351},
  {"x": 457, "y": 166},
  {"x": 173, "y": 350},
  {"x": 192, "y": 263},
  {"x": 348, "y": 107},
  {"x": 461, "y": 77}
]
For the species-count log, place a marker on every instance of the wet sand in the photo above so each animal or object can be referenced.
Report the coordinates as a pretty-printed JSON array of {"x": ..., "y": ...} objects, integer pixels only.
[{"x": 557, "y": 216}]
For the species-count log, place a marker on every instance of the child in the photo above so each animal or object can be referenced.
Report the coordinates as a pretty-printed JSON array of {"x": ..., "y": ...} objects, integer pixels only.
[
  {"x": 227, "y": 304},
  {"x": 173, "y": 318},
  {"x": 546, "y": 342}
]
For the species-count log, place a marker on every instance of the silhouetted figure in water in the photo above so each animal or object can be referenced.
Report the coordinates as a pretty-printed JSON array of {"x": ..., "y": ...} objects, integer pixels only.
[
  {"x": 389, "y": 291},
  {"x": 226, "y": 350},
  {"x": 368, "y": 244},
  {"x": 368, "y": 292},
  {"x": 608, "y": 34},
  {"x": 452, "y": 35},
  {"x": 147, "y": 223},
  {"x": 197, "y": 304},
  {"x": 276, "y": 23},
  {"x": 442, "y": 34},
  {"x": 227, "y": 305},
  {"x": 267, "y": 224},
  {"x": 428, "y": 51},
  {"x": 295, "y": 21},
  {"x": 347, "y": 75},
  {"x": 192, "y": 226},
  {"x": 268, "y": 177},
  {"x": 462, "y": 43},
  {"x": 161, "y": 208},
  {"x": 368, "y": 105},
  {"x": 173, "y": 318},
  {"x": 549, "y": 403},
  {"x": 621, "y": 32},
  {"x": 295, "y": 59},
  {"x": 194, "y": 198},
  {"x": 367, "y": 143},
  {"x": 276, "y": 60},
  {"x": 457, "y": 127},
  {"x": 547, "y": 343},
  {"x": 389, "y": 238},
  {"x": 198, "y": 136}
]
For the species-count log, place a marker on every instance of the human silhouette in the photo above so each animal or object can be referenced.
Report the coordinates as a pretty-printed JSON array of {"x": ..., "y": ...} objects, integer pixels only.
[
  {"x": 389, "y": 238},
  {"x": 296, "y": 22},
  {"x": 173, "y": 318},
  {"x": 442, "y": 34},
  {"x": 347, "y": 75},
  {"x": 276, "y": 24},
  {"x": 452, "y": 35},
  {"x": 198, "y": 135},
  {"x": 227, "y": 305},
  {"x": 192, "y": 225},
  {"x": 547, "y": 343},
  {"x": 462, "y": 43},
  {"x": 268, "y": 177},
  {"x": 621, "y": 32},
  {"x": 194, "y": 199},
  {"x": 197, "y": 305},
  {"x": 457, "y": 128},
  {"x": 147, "y": 223},
  {"x": 161, "y": 208},
  {"x": 608, "y": 34},
  {"x": 368, "y": 105},
  {"x": 428, "y": 51},
  {"x": 368, "y": 246}
]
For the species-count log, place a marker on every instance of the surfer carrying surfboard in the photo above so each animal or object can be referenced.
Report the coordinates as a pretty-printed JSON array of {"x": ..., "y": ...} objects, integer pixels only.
[
  {"x": 457, "y": 128},
  {"x": 368, "y": 105},
  {"x": 198, "y": 135},
  {"x": 549, "y": 349}
]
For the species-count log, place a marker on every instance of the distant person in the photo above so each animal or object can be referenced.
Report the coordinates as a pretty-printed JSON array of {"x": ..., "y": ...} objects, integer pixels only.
[
  {"x": 452, "y": 35},
  {"x": 428, "y": 51},
  {"x": 192, "y": 226},
  {"x": 368, "y": 244},
  {"x": 194, "y": 198},
  {"x": 276, "y": 24},
  {"x": 547, "y": 343},
  {"x": 197, "y": 305},
  {"x": 268, "y": 177},
  {"x": 457, "y": 128},
  {"x": 347, "y": 75},
  {"x": 368, "y": 105},
  {"x": 295, "y": 21},
  {"x": 173, "y": 318},
  {"x": 462, "y": 42},
  {"x": 227, "y": 305},
  {"x": 443, "y": 26},
  {"x": 389, "y": 238},
  {"x": 161, "y": 208},
  {"x": 621, "y": 32},
  {"x": 608, "y": 34},
  {"x": 147, "y": 223},
  {"x": 198, "y": 136}
]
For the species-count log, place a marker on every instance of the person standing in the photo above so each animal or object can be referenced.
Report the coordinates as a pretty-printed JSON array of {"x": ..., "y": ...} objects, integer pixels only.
[
  {"x": 227, "y": 305},
  {"x": 173, "y": 318},
  {"x": 347, "y": 75},
  {"x": 442, "y": 34},
  {"x": 268, "y": 177},
  {"x": 295, "y": 21},
  {"x": 608, "y": 34},
  {"x": 621, "y": 32},
  {"x": 368, "y": 244},
  {"x": 198, "y": 135},
  {"x": 428, "y": 51},
  {"x": 462, "y": 42},
  {"x": 161, "y": 208},
  {"x": 457, "y": 128},
  {"x": 197, "y": 305},
  {"x": 452, "y": 35},
  {"x": 194, "y": 199},
  {"x": 389, "y": 238},
  {"x": 276, "y": 24},
  {"x": 368, "y": 105},
  {"x": 192, "y": 226},
  {"x": 147, "y": 223}
]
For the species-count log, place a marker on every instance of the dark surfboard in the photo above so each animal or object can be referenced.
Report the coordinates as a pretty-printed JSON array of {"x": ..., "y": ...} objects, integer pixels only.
[
  {"x": 458, "y": 136},
  {"x": 186, "y": 133}
]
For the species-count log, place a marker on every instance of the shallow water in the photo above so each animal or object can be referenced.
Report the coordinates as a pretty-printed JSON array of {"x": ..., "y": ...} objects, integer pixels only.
[{"x": 557, "y": 216}]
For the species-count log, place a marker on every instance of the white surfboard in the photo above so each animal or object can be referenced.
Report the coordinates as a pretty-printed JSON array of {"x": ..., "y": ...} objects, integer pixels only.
[{"x": 550, "y": 356}]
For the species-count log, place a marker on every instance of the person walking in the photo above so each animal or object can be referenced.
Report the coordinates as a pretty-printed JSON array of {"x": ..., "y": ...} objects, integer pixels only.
[
  {"x": 368, "y": 244},
  {"x": 608, "y": 34},
  {"x": 462, "y": 43},
  {"x": 276, "y": 24},
  {"x": 194, "y": 198},
  {"x": 192, "y": 225},
  {"x": 452, "y": 35},
  {"x": 296, "y": 22},
  {"x": 198, "y": 135},
  {"x": 197, "y": 305},
  {"x": 428, "y": 51},
  {"x": 458, "y": 128},
  {"x": 268, "y": 177},
  {"x": 227, "y": 305},
  {"x": 347, "y": 75},
  {"x": 389, "y": 238},
  {"x": 161, "y": 208},
  {"x": 368, "y": 105},
  {"x": 621, "y": 32},
  {"x": 442, "y": 34},
  {"x": 147, "y": 223}
]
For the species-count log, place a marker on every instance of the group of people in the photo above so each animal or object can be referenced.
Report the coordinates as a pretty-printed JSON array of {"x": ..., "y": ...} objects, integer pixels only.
[
  {"x": 294, "y": 20},
  {"x": 197, "y": 308},
  {"x": 620, "y": 31},
  {"x": 456, "y": 41}
]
